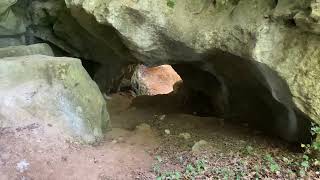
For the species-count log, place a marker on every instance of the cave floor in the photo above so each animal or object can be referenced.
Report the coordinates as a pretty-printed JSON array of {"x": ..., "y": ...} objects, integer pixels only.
[{"x": 146, "y": 143}]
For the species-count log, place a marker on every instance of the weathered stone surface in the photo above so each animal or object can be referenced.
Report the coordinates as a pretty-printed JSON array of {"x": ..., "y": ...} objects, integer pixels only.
[
  {"x": 12, "y": 25},
  {"x": 200, "y": 147},
  {"x": 302, "y": 13},
  {"x": 264, "y": 46},
  {"x": 51, "y": 90},
  {"x": 154, "y": 80},
  {"x": 78, "y": 34},
  {"x": 11, "y": 41},
  {"x": 12, "y": 51}
]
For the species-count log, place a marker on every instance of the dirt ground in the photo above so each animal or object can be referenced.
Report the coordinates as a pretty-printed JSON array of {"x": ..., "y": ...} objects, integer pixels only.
[{"x": 151, "y": 138}]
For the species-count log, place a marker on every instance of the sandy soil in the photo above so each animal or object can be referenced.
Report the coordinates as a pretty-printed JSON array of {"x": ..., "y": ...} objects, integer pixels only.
[
  {"x": 123, "y": 155},
  {"x": 132, "y": 150}
]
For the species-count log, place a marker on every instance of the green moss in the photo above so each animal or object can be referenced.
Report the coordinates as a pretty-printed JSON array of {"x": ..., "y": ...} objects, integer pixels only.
[{"x": 171, "y": 3}]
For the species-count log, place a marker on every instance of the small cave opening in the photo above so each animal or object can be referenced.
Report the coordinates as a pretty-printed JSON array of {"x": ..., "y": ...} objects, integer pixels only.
[{"x": 164, "y": 83}]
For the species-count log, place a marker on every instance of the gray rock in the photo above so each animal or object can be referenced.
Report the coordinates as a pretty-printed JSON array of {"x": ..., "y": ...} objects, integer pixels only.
[
  {"x": 200, "y": 146},
  {"x": 12, "y": 51},
  {"x": 143, "y": 127},
  {"x": 138, "y": 85},
  {"x": 167, "y": 131},
  {"x": 77, "y": 33},
  {"x": 11, "y": 41},
  {"x": 52, "y": 90},
  {"x": 185, "y": 136},
  {"x": 10, "y": 22}
]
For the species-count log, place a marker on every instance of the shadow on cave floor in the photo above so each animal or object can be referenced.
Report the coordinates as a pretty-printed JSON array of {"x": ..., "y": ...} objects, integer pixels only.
[
  {"x": 229, "y": 145},
  {"x": 165, "y": 112}
]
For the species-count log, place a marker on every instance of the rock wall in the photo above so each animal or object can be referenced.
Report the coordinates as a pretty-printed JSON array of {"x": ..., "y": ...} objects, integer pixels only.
[{"x": 273, "y": 47}]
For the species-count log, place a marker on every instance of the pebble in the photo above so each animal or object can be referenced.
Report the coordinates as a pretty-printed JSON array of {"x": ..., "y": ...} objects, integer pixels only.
[
  {"x": 64, "y": 158},
  {"x": 162, "y": 117},
  {"x": 106, "y": 97},
  {"x": 22, "y": 166},
  {"x": 199, "y": 146},
  {"x": 143, "y": 127},
  {"x": 186, "y": 136},
  {"x": 167, "y": 131},
  {"x": 120, "y": 139}
]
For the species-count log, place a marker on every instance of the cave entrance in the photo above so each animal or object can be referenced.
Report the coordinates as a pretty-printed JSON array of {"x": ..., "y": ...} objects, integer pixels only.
[
  {"x": 164, "y": 83},
  {"x": 193, "y": 107},
  {"x": 230, "y": 91}
]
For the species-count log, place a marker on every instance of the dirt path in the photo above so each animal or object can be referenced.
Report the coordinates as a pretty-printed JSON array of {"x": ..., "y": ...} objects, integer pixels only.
[
  {"x": 150, "y": 138},
  {"x": 123, "y": 155}
]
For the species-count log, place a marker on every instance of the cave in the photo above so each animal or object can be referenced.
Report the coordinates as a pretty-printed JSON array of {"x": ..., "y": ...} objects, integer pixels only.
[
  {"x": 159, "y": 89},
  {"x": 228, "y": 88}
]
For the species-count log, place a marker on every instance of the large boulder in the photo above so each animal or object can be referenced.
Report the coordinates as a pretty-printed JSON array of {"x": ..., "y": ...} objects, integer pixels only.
[{"x": 51, "y": 90}]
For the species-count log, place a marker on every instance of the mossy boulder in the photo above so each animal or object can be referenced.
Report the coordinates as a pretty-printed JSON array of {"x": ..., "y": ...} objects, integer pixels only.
[{"x": 52, "y": 90}]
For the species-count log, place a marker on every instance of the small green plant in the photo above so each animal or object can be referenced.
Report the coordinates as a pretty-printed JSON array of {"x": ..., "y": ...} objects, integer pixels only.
[
  {"x": 200, "y": 166},
  {"x": 257, "y": 171},
  {"x": 194, "y": 169},
  {"x": 273, "y": 165},
  {"x": 313, "y": 149},
  {"x": 171, "y": 3},
  {"x": 156, "y": 168},
  {"x": 180, "y": 159},
  {"x": 175, "y": 175},
  {"x": 304, "y": 165},
  {"x": 190, "y": 170},
  {"x": 159, "y": 159},
  {"x": 305, "y": 162},
  {"x": 225, "y": 174},
  {"x": 315, "y": 129},
  {"x": 249, "y": 150}
]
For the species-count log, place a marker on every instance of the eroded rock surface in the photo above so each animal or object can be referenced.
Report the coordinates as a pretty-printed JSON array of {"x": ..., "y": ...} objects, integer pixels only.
[
  {"x": 12, "y": 51},
  {"x": 276, "y": 55},
  {"x": 13, "y": 24},
  {"x": 154, "y": 80},
  {"x": 56, "y": 91}
]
